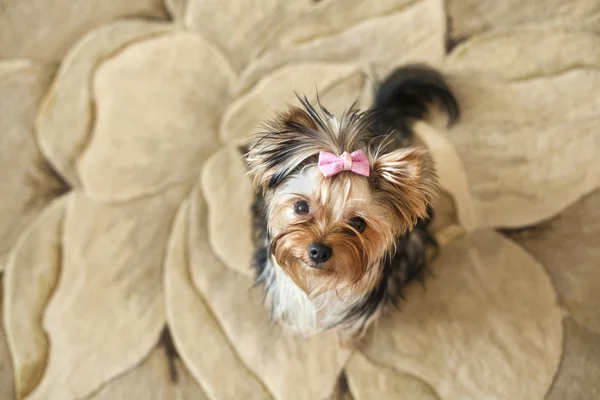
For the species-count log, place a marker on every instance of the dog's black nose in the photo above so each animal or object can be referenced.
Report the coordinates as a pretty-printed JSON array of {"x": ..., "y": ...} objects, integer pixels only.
[{"x": 319, "y": 252}]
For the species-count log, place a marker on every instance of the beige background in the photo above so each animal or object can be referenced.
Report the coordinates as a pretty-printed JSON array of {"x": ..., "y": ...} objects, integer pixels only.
[{"x": 124, "y": 214}]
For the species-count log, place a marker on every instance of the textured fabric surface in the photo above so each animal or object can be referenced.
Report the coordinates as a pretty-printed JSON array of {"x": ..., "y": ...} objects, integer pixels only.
[{"x": 125, "y": 226}]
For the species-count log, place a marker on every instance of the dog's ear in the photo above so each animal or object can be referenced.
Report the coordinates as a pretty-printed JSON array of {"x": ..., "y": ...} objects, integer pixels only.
[
  {"x": 289, "y": 141},
  {"x": 406, "y": 181}
]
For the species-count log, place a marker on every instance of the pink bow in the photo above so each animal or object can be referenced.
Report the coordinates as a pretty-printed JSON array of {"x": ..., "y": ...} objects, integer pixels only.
[{"x": 357, "y": 162}]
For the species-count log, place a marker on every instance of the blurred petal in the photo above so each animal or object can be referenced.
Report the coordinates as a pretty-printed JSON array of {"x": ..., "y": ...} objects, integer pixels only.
[
  {"x": 46, "y": 29},
  {"x": 488, "y": 313},
  {"x": 241, "y": 28},
  {"x": 569, "y": 247},
  {"x": 159, "y": 377},
  {"x": 272, "y": 94},
  {"x": 66, "y": 117},
  {"x": 23, "y": 171},
  {"x": 229, "y": 196},
  {"x": 368, "y": 381},
  {"x": 472, "y": 16},
  {"x": 146, "y": 96},
  {"x": 528, "y": 152},
  {"x": 278, "y": 358},
  {"x": 177, "y": 8},
  {"x": 107, "y": 310},
  {"x": 579, "y": 372},
  {"x": 445, "y": 212},
  {"x": 451, "y": 172},
  {"x": 525, "y": 53},
  {"x": 7, "y": 378},
  {"x": 340, "y": 94},
  {"x": 413, "y": 34},
  {"x": 31, "y": 277},
  {"x": 197, "y": 333},
  {"x": 186, "y": 388},
  {"x": 329, "y": 17}
]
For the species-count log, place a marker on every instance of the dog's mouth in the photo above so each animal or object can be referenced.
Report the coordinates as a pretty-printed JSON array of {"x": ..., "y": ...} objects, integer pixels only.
[
  {"x": 307, "y": 264},
  {"x": 312, "y": 265}
]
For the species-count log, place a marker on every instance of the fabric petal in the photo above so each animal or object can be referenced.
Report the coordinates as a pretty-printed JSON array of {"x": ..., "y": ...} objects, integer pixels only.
[
  {"x": 241, "y": 28},
  {"x": 473, "y": 16},
  {"x": 7, "y": 377},
  {"x": 272, "y": 94},
  {"x": 527, "y": 151},
  {"x": 31, "y": 276},
  {"x": 488, "y": 312},
  {"x": 147, "y": 95},
  {"x": 198, "y": 335},
  {"x": 45, "y": 30},
  {"x": 107, "y": 309},
  {"x": 413, "y": 34},
  {"x": 368, "y": 381},
  {"x": 69, "y": 104},
  {"x": 160, "y": 376},
  {"x": 229, "y": 196},
  {"x": 264, "y": 346},
  {"x": 568, "y": 247},
  {"x": 27, "y": 180},
  {"x": 577, "y": 377}
]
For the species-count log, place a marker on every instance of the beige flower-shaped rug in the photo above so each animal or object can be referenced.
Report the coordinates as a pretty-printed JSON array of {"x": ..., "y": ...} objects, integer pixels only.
[{"x": 125, "y": 233}]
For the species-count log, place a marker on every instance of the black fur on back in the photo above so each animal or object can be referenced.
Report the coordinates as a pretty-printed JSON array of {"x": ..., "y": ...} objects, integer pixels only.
[
  {"x": 402, "y": 98},
  {"x": 406, "y": 96}
]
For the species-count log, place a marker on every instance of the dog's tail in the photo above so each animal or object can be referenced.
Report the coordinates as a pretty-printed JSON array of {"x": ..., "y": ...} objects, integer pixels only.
[{"x": 406, "y": 95}]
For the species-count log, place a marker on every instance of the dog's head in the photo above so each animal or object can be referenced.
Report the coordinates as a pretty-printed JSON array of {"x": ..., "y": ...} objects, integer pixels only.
[{"x": 331, "y": 219}]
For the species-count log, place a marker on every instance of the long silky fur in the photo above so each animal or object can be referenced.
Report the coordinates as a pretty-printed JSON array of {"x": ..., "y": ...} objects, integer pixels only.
[
  {"x": 292, "y": 142},
  {"x": 293, "y": 139}
]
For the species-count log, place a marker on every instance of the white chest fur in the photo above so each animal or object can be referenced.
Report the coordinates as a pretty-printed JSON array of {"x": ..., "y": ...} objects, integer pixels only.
[{"x": 295, "y": 309}]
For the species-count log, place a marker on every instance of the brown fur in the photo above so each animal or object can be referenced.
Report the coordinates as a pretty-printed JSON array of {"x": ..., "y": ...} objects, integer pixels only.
[
  {"x": 354, "y": 252},
  {"x": 406, "y": 181},
  {"x": 402, "y": 185}
]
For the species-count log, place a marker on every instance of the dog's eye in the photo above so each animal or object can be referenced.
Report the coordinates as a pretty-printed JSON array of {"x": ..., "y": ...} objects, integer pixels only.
[
  {"x": 359, "y": 224},
  {"x": 301, "y": 207}
]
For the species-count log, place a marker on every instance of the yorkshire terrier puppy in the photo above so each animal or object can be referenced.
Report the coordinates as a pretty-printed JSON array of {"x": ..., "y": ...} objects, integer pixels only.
[{"x": 342, "y": 206}]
